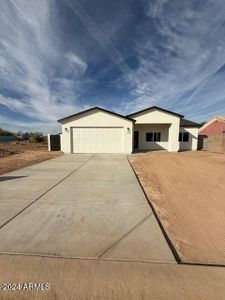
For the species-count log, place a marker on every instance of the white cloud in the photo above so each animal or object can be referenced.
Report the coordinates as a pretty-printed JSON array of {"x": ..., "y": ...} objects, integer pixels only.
[
  {"x": 16, "y": 125},
  {"x": 182, "y": 46},
  {"x": 30, "y": 57},
  {"x": 98, "y": 35},
  {"x": 77, "y": 61},
  {"x": 179, "y": 48}
]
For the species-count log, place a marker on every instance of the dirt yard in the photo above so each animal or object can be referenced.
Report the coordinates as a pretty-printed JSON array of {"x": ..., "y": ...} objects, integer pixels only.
[
  {"x": 73, "y": 279},
  {"x": 187, "y": 191},
  {"x": 17, "y": 155}
]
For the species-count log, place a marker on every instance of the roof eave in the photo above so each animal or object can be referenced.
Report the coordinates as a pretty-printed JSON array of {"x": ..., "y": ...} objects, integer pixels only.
[
  {"x": 98, "y": 108},
  {"x": 156, "y": 107},
  {"x": 193, "y": 126}
]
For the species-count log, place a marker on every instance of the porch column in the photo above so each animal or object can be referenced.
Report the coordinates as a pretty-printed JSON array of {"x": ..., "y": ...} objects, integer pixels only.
[{"x": 173, "y": 143}]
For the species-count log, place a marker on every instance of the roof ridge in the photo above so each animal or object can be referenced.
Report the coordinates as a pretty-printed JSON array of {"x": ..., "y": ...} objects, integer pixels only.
[
  {"x": 93, "y": 108},
  {"x": 155, "y": 107}
]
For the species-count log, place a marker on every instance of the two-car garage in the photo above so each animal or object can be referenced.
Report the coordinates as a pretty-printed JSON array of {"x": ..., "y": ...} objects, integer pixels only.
[
  {"x": 96, "y": 131},
  {"x": 97, "y": 140}
]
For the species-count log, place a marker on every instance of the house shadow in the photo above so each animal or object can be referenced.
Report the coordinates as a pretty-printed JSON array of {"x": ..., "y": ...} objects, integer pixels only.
[
  {"x": 5, "y": 178},
  {"x": 155, "y": 147}
]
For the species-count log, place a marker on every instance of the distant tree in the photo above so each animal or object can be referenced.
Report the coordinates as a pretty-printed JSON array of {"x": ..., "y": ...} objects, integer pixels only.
[
  {"x": 36, "y": 137},
  {"x": 202, "y": 123},
  {"x": 4, "y": 132},
  {"x": 26, "y": 136}
]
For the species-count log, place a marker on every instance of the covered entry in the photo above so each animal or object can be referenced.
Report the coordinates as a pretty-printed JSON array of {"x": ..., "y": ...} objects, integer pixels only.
[{"x": 151, "y": 136}]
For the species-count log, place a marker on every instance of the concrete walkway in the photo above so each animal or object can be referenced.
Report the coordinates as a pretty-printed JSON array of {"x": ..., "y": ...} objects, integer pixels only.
[{"x": 79, "y": 206}]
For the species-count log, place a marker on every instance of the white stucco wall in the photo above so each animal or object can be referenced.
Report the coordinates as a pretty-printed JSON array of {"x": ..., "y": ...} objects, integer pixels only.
[
  {"x": 144, "y": 128},
  {"x": 192, "y": 144},
  {"x": 97, "y": 118},
  {"x": 159, "y": 117},
  {"x": 49, "y": 143}
]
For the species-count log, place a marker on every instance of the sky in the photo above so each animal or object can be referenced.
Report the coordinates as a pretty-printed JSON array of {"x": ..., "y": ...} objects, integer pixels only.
[{"x": 58, "y": 57}]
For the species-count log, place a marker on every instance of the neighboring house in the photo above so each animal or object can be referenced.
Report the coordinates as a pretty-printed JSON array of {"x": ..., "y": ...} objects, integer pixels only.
[
  {"x": 97, "y": 130},
  {"x": 214, "y": 127}
]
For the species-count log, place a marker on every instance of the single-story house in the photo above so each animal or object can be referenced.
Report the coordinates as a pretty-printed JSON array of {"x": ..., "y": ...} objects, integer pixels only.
[{"x": 97, "y": 130}]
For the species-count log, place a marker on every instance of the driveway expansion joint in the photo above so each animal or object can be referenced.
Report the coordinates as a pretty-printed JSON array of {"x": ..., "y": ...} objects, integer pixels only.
[
  {"x": 109, "y": 230},
  {"x": 52, "y": 187},
  {"x": 126, "y": 234}
]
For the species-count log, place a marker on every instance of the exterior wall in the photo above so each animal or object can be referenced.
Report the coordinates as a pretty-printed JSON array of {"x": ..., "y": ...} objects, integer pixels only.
[
  {"x": 173, "y": 145},
  {"x": 49, "y": 143},
  {"x": 61, "y": 143},
  {"x": 215, "y": 128},
  {"x": 215, "y": 144},
  {"x": 193, "y": 139},
  {"x": 97, "y": 118},
  {"x": 158, "y": 117},
  {"x": 142, "y": 129}
]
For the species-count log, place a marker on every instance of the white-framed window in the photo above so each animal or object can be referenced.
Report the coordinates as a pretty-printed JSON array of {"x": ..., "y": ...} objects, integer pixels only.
[
  {"x": 153, "y": 136},
  {"x": 184, "y": 136}
]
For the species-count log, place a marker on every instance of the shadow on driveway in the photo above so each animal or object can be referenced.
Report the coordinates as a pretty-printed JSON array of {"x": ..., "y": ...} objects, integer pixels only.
[{"x": 5, "y": 178}]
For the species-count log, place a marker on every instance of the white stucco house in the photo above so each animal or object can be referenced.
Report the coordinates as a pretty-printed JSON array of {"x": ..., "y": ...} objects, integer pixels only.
[{"x": 97, "y": 130}]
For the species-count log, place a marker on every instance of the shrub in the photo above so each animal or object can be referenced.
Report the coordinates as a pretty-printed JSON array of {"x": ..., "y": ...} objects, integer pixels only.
[
  {"x": 36, "y": 137},
  {"x": 26, "y": 136}
]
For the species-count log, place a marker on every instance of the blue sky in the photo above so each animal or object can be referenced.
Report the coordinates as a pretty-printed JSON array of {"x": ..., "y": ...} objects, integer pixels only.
[{"x": 58, "y": 57}]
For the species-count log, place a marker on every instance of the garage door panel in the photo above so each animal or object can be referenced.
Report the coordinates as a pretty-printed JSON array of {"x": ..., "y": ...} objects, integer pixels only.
[{"x": 98, "y": 140}]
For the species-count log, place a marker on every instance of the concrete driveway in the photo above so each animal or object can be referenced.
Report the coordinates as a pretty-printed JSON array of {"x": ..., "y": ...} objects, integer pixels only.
[{"x": 79, "y": 206}]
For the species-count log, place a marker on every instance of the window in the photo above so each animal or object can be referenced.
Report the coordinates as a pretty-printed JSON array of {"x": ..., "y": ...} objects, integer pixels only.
[
  {"x": 149, "y": 136},
  {"x": 180, "y": 137},
  {"x": 184, "y": 136},
  {"x": 157, "y": 136},
  {"x": 153, "y": 136}
]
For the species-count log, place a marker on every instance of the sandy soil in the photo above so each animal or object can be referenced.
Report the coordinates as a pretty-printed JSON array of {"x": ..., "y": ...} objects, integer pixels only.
[
  {"x": 23, "y": 154},
  {"x": 187, "y": 191},
  {"x": 95, "y": 280}
]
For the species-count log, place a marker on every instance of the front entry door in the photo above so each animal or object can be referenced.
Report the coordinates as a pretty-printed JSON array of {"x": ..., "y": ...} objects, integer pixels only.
[{"x": 136, "y": 139}]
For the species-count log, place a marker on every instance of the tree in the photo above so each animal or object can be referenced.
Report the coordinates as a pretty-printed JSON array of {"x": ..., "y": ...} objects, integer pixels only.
[
  {"x": 5, "y": 132},
  {"x": 36, "y": 137},
  {"x": 26, "y": 136}
]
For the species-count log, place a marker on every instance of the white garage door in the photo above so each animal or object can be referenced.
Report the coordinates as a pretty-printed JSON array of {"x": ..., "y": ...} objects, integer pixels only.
[{"x": 98, "y": 140}]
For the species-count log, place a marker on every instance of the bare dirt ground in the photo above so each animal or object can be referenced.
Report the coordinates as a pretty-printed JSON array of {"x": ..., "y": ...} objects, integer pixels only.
[
  {"x": 100, "y": 280},
  {"x": 187, "y": 191},
  {"x": 17, "y": 155}
]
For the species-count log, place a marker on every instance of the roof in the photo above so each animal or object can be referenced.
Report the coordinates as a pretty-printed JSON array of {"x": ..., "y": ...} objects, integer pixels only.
[
  {"x": 218, "y": 118},
  {"x": 187, "y": 123},
  {"x": 158, "y": 108},
  {"x": 94, "y": 108}
]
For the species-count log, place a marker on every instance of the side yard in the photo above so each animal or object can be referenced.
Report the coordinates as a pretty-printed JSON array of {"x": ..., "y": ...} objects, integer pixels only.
[
  {"x": 187, "y": 191},
  {"x": 17, "y": 155}
]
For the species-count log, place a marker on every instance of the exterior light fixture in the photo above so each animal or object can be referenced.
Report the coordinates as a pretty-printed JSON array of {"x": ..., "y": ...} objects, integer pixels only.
[
  {"x": 128, "y": 130},
  {"x": 66, "y": 130}
]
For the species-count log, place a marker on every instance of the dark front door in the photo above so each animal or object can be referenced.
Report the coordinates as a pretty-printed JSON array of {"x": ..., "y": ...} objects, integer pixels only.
[{"x": 136, "y": 139}]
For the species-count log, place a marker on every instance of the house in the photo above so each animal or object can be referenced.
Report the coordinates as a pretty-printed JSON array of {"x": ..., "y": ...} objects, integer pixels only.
[
  {"x": 215, "y": 126},
  {"x": 97, "y": 130}
]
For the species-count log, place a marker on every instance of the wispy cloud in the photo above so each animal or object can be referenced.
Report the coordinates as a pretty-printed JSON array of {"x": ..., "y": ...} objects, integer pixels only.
[
  {"x": 98, "y": 35},
  {"x": 33, "y": 63},
  {"x": 179, "y": 50},
  {"x": 59, "y": 57}
]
